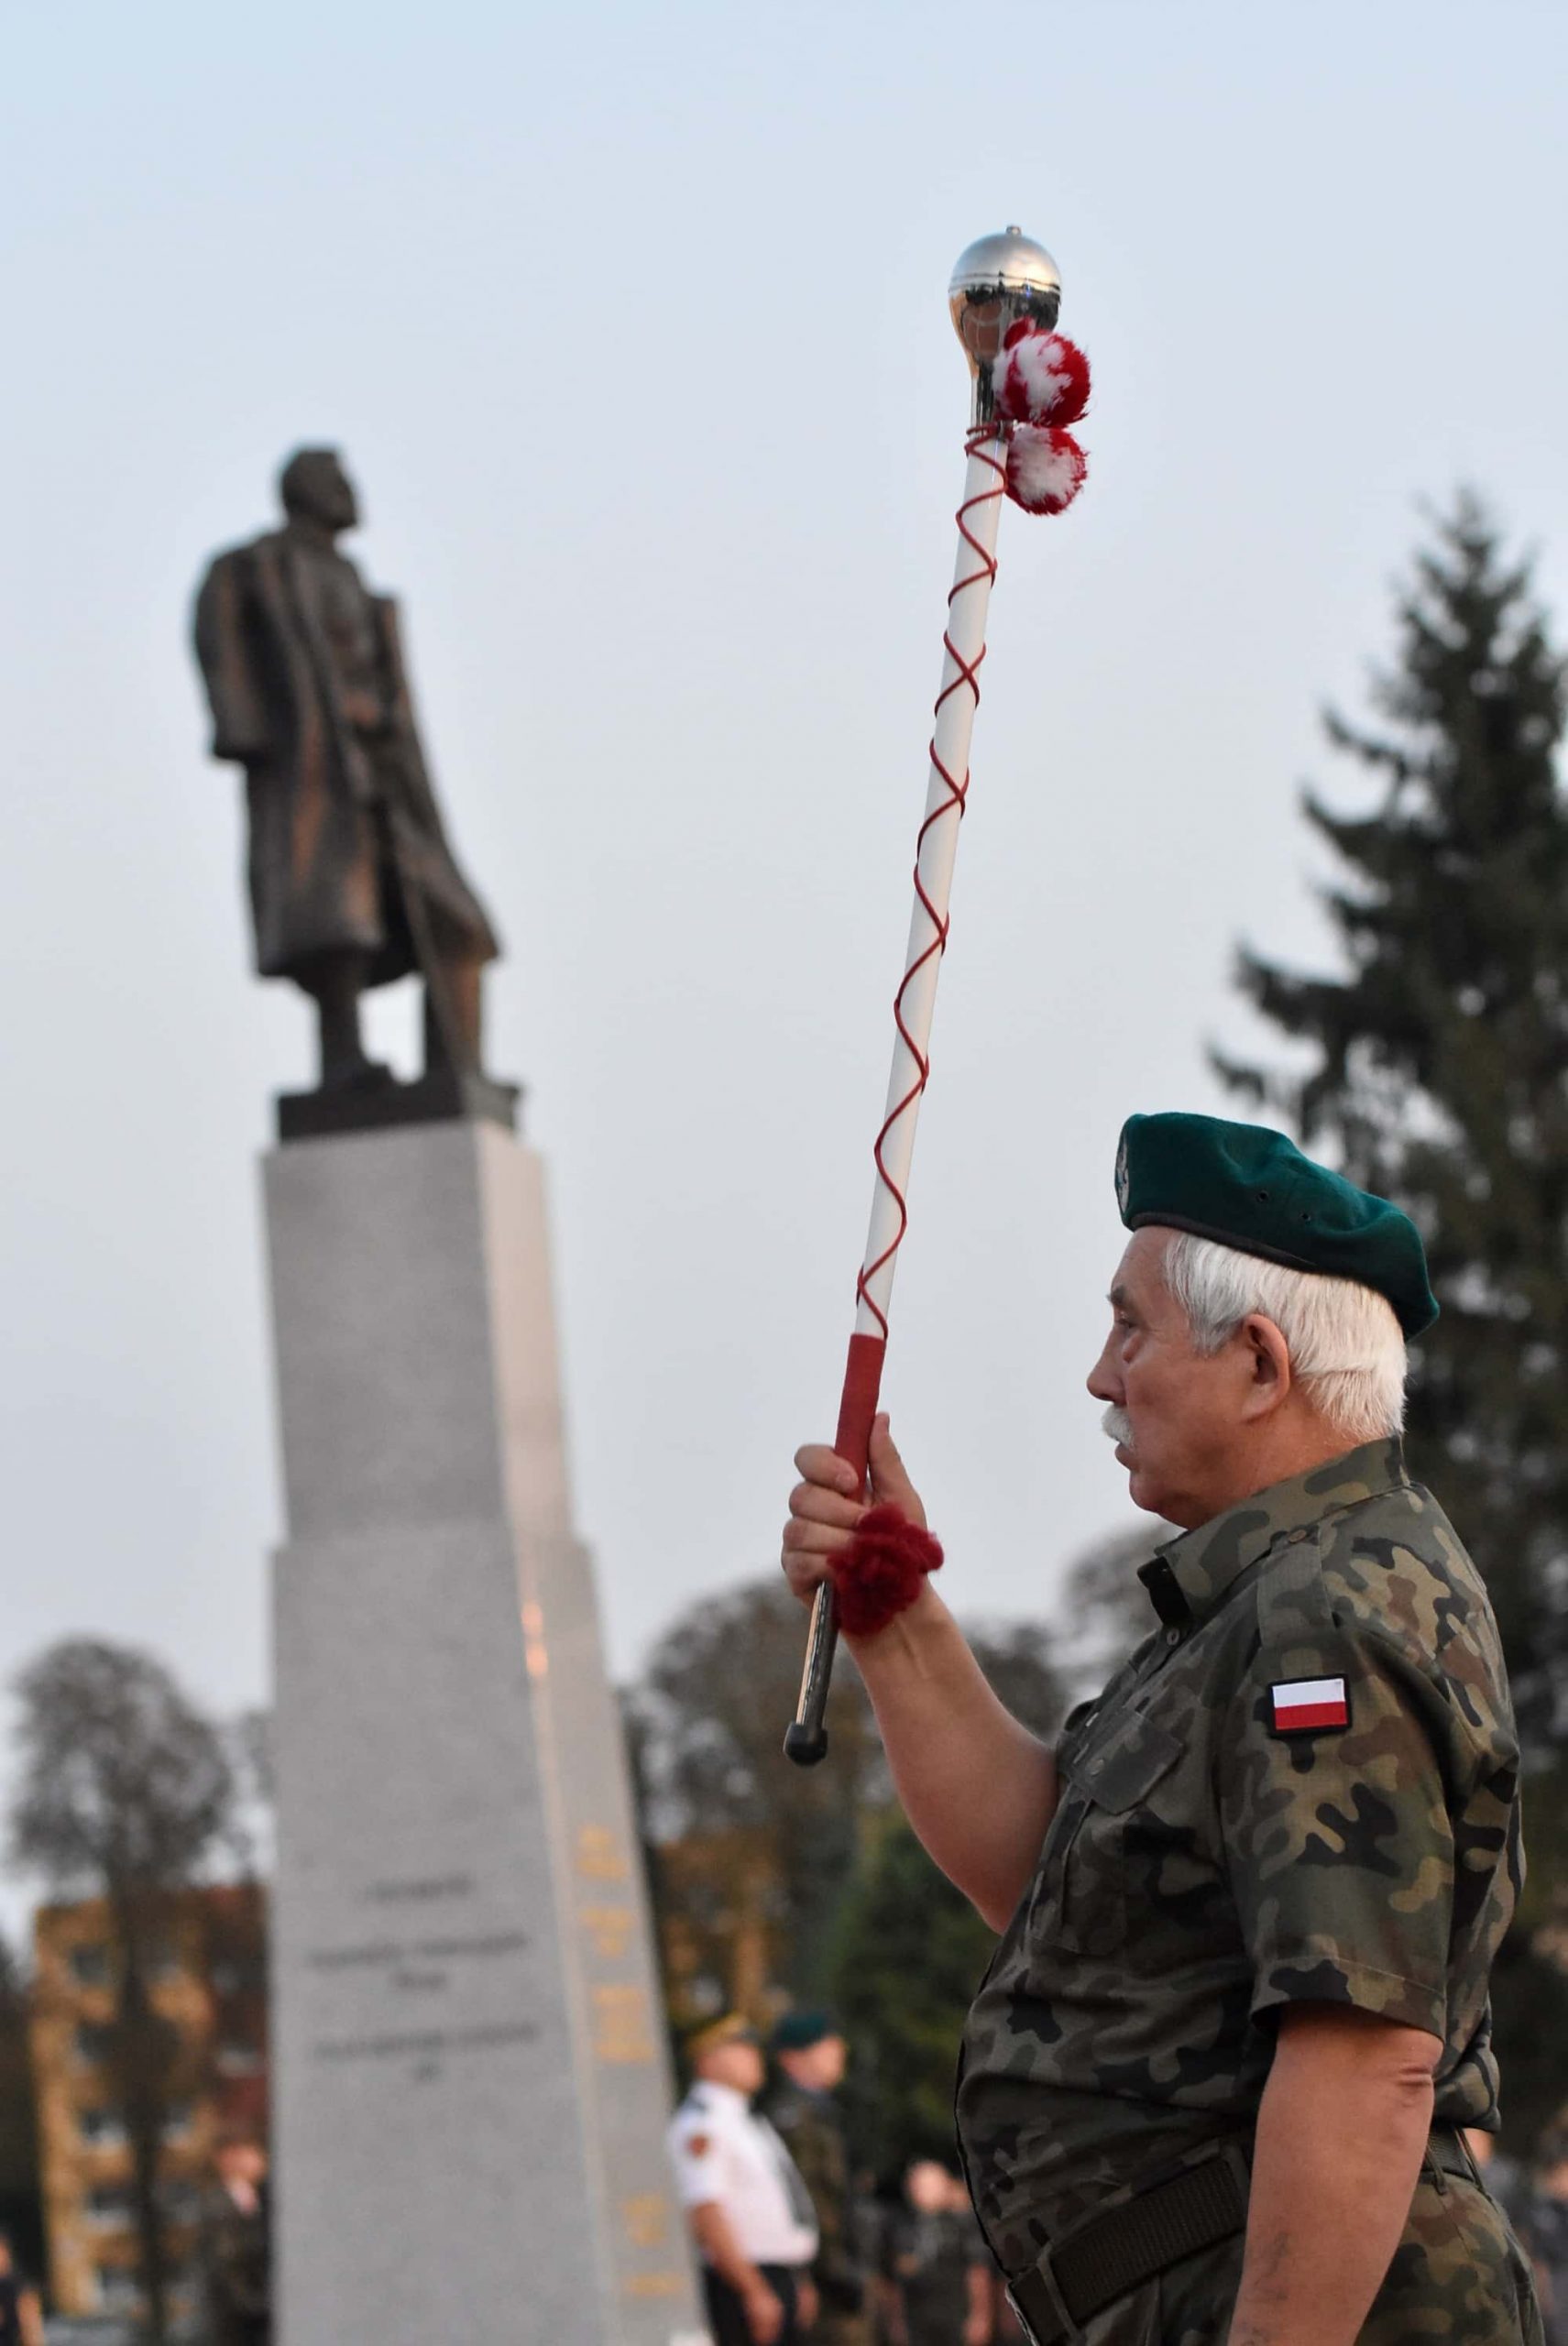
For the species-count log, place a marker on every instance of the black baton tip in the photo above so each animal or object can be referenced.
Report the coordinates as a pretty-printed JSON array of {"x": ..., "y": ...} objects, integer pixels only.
[{"x": 804, "y": 1745}]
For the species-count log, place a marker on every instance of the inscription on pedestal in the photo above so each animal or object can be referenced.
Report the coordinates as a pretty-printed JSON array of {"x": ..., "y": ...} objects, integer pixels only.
[{"x": 430, "y": 1970}]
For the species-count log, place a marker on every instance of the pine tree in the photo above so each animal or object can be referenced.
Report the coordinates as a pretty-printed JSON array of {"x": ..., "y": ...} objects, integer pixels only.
[{"x": 1439, "y": 1071}]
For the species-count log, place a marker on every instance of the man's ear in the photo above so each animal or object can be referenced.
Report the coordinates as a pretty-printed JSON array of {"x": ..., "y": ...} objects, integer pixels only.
[{"x": 1269, "y": 1361}]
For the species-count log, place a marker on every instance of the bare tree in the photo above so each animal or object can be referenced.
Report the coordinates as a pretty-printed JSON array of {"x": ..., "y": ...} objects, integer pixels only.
[{"x": 125, "y": 1791}]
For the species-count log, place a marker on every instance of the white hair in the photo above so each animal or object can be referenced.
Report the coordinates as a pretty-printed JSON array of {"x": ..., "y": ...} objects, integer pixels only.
[{"x": 1346, "y": 1346}]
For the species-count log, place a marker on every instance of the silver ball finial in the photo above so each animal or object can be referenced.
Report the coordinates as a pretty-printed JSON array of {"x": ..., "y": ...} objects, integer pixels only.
[{"x": 995, "y": 282}]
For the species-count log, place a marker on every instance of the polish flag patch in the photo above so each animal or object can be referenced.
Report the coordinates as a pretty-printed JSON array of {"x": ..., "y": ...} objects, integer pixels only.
[{"x": 1304, "y": 1702}]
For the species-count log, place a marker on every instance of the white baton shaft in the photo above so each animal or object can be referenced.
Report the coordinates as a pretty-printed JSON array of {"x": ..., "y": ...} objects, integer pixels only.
[
  {"x": 957, "y": 702},
  {"x": 806, "y": 1741}
]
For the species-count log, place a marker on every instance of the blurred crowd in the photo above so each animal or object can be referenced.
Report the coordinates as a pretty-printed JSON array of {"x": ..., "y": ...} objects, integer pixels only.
[
  {"x": 794, "y": 2246},
  {"x": 792, "y": 2241}
]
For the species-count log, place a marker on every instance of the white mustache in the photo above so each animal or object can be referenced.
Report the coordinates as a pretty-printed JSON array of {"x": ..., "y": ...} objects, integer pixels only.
[{"x": 1117, "y": 1426}]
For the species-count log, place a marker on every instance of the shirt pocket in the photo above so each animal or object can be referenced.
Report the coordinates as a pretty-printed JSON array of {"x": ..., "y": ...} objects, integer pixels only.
[{"x": 1081, "y": 1902}]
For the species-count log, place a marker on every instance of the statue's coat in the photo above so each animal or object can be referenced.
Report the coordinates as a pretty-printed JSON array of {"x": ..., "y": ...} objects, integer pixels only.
[{"x": 327, "y": 872}]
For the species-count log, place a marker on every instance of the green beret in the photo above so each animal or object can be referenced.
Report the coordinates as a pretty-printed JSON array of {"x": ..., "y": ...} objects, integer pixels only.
[
  {"x": 1251, "y": 1189},
  {"x": 797, "y": 2032}
]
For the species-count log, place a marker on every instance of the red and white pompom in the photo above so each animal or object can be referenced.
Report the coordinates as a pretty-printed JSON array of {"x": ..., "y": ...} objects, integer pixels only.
[
  {"x": 1045, "y": 469},
  {"x": 1041, "y": 378}
]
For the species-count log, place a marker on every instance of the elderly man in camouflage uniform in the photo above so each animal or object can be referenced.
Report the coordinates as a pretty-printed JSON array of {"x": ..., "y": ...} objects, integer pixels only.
[
  {"x": 1212, "y": 2086},
  {"x": 810, "y": 2054}
]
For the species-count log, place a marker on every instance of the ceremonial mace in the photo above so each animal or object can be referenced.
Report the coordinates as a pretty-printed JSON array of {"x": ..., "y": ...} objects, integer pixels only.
[{"x": 1028, "y": 383}]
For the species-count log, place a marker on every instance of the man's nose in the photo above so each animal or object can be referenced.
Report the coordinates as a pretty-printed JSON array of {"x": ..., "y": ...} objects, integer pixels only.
[{"x": 1103, "y": 1382}]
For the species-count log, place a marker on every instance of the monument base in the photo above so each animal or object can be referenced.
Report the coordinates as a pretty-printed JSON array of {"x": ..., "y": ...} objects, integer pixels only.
[
  {"x": 471, "y": 2080},
  {"x": 434, "y": 1098}
]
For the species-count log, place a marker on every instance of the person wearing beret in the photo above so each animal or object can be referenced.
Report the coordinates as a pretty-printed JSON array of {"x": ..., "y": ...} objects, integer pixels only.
[
  {"x": 809, "y": 2055},
  {"x": 1213, "y": 2085},
  {"x": 749, "y": 2213}
]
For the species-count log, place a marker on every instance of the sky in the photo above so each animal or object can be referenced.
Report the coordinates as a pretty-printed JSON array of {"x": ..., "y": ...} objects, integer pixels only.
[{"x": 632, "y": 324}]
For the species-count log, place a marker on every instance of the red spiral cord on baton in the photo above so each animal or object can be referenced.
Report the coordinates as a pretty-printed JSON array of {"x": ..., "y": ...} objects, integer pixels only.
[{"x": 968, "y": 674}]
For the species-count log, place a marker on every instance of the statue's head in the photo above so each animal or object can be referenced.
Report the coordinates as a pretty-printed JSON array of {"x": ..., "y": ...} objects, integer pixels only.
[{"x": 314, "y": 488}]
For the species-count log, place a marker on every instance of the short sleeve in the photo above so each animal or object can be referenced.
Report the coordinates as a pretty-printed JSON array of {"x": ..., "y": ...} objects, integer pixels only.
[
  {"x": 697, "y": 2155},
  {"x": 1339, "y": 1840}
]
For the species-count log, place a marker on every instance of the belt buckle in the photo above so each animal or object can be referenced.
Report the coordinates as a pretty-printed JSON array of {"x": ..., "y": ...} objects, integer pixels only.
[{"x": 1045, "y": 2273}]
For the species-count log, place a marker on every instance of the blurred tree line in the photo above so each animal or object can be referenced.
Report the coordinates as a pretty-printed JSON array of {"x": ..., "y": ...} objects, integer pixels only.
[
  {"x": 775, "y": 1885},
  {"x": 1434, "y": 1069}
]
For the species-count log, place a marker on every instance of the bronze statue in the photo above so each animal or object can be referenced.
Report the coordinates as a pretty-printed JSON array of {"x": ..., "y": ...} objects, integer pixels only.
[{"x": 352, "y": 881}]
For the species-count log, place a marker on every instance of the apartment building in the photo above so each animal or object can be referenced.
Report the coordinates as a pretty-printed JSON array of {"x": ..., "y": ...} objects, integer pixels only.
[{"x": 209, "y": 1983}]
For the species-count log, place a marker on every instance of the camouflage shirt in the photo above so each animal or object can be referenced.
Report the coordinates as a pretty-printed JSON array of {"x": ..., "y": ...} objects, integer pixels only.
[
  {"x": 1206, "y": 1866},
  {"x": 809, "y": 2126}
]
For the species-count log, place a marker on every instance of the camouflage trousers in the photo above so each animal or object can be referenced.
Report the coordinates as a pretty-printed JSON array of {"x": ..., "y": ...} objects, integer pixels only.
[{"x": 1458, "y": 2278}]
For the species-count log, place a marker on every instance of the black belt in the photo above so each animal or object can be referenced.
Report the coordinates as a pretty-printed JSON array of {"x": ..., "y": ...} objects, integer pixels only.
[{"x": 1108, "y": 2254}]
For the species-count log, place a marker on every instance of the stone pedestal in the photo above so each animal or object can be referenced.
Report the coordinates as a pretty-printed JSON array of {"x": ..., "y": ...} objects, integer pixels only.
[{"x": 470, "y": 2083}]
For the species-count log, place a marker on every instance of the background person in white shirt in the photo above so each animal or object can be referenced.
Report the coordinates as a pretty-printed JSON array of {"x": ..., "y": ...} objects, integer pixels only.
[{"x": 749, "y": 2212}]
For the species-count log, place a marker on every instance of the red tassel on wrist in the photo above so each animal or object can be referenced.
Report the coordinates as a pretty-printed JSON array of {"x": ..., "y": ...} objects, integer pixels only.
[{"x": 881, "y": 1571}]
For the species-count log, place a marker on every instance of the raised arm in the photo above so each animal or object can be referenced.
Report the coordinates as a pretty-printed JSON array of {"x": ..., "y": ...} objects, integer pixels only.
[{"x": 978, "y": 1788}]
